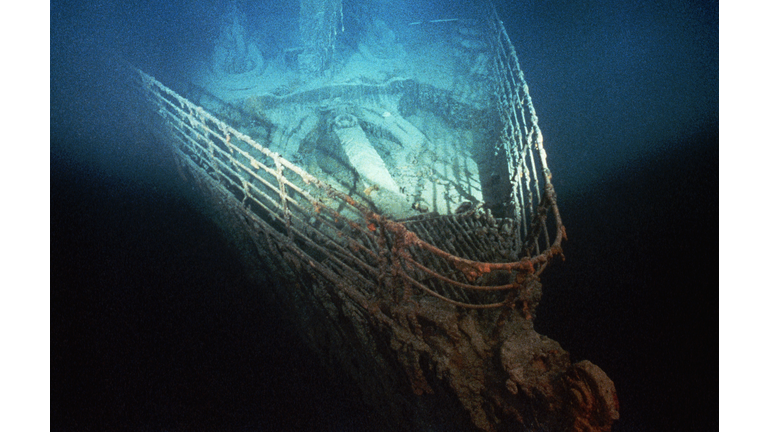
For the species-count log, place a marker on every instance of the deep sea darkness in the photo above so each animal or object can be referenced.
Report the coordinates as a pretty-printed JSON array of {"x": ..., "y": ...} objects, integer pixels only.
[
  {"x": 637, "y": 293},
  {"x": 154, "y": 326}
]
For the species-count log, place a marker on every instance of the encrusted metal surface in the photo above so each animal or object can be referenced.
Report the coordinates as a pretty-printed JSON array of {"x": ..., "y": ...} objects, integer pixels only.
[
  {"x": 471, "y": 259},
  {"x": 432, "y": 296}
]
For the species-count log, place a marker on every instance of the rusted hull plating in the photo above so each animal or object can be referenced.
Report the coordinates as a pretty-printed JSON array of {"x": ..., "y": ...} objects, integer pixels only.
[{"x": 443, "y": 303}]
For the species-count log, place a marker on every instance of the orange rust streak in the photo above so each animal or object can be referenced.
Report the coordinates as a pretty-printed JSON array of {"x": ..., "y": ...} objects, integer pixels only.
[
  {"x": 471, "y": 269},
  {"x": 515, "y": 285}
]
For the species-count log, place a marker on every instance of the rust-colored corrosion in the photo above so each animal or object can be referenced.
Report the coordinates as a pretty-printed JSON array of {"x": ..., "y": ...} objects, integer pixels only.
[{"x": 357, "y": 276}]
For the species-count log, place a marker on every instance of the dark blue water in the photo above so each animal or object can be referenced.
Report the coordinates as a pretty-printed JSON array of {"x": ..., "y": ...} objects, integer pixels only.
[{"x": 154, "y": 326}]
